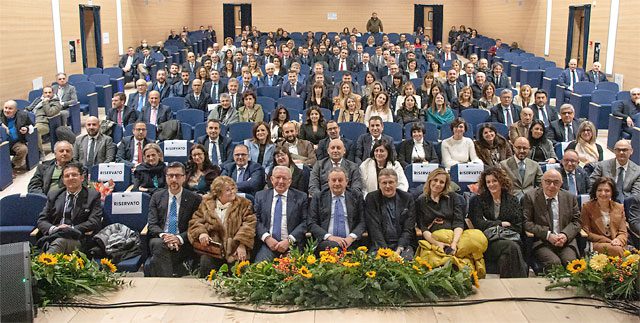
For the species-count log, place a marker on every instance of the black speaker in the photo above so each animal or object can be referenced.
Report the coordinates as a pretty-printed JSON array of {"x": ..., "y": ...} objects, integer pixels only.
[{"x": 16, "y": 299}]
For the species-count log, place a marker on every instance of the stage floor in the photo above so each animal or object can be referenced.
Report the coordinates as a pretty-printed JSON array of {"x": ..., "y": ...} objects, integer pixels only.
[{"x": 193, "y": 290}]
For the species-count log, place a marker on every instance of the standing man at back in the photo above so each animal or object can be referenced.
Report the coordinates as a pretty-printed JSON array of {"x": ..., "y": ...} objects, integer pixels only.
[{"x": 374, "y": 25}]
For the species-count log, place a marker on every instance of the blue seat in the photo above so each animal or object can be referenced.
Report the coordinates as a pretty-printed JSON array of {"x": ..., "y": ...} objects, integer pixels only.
[
  {"x": 183, "y": 158},
  {"x": 431, "y": 132},
  {"x": 502, "y": 129},
  {"x": 19, "y": 215},
  {"x": 240, "y": 131},
  {"x": 454, "y": 177},
  {"x": 291, "y": 102},
  {"x": 6, "y": 170},
  {"x": 74, "y": 79},
  {"x": 151, "y": 131},
  {"x": 187, "y": 131},
  {"x": 22, "y": 103},
  {"x": 531, "y": 73},
  {"x": 34, "y": 94},
  {"x": 608, "y": 86},
  {"x": 175, "y": 103},
  {"x": 580, "y": 98},
  {"x": 116, "y": 77},
  {"x": 103, "y": 88},
  {"x": 200, "y": 130},
  {"x": 295, "y": 114},
  {"x": 88, "y": 98},
  {"x": 269, "y": 91},
  {"x": 120, "y": 186},
  {"x": 623, "y": 95},
  {"x": 550, "y": 80},
  {"x": 615, "y": 127},
  {"x": 600, "y": 107},
  {"x": 635, "y": 142},
  {"x": 352, "y": 130},
  {"x": 268, "y": 105},
  {"x": 394, "y": 130},
  {"x": 475, "y": 117},
  {"x": 92, "y": 70},
  {"x": 190, "y": 116}
]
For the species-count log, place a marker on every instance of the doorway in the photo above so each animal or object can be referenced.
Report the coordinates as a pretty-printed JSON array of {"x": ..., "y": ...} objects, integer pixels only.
[
  {"x": 429, "y": 17},
  {"x": 235, "y": 17},
  {"x": 91, "y": 36},
  {"x": 578, "y": 34}
]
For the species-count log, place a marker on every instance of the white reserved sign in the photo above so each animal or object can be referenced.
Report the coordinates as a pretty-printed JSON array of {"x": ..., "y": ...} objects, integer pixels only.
[
  {"x": 175, "y": 148},
  {"x": 470, "y": 172},
  {"x": 126, "y": 203},
  {"x": 113, "y": 171},
  {"x": 421, "y": 171}
]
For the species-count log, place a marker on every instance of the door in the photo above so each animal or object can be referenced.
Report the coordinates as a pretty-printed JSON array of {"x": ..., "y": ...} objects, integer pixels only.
[
  {"x": 91, "y": 36},
  {"x": 430, "y": 18},
  {"x": 235, "y": 17},
  {"x": 578, "y": 34}
]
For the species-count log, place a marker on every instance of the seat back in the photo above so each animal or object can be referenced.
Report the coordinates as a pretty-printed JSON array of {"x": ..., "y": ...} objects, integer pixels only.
[
  {"x": 530, "y": 65},
  {"x": 268, "y": 105},
  {"x": 100, "y": 79},
  {"x": 603, "y": 97},
  {"x": 394, "y": 130},
  {"x": 458, "y": 176},
  {"x": 609, "y": 86},
  {"x": 240, "y": 131},
  {"x": 92, "y": 70},
  {"x": 546, "y": 64},
  {"x": 113, "y": 72},
  {"x": 112, "y": 171},
  {"x": 501, "y": 128},
  {"x": 291, "y": 102},
  {"x": 200, "y": 130},
  {"x": 190, "y": 116},
  {"x": 21, "y": 210},
  {"x": 269, "y": 91},
  {"x": 74, "y": 79},
  {"x": 22, "y": 103},
  {"x": 553, "y": 72},
  {"x": 475, "y": 117},
  {"x": 34, "y": 94},
  {"x": 584, "y": 87},
  {"x": 134, "y": 220},
  {"x": 151, "y": 131},
  {"x": 622, "y": 96},
  {"x": 175, "y": 103},
  {"x": 352, "y": 130}
]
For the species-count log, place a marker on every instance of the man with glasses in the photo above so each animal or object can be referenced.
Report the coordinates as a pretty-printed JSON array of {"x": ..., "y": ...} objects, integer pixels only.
[
  {"x": 574, "y": 178},
  {"x": 506, "y": 112},
  {"x": 564, "y": 129},
  {"x": 623, "y": 171},
  {"x": 130, "y": 147},
  {"x": 524, "y": 172},
  {"x": 66, "y": 93},
  {"x": 552, "y": 215},
  {"x": 248, "y": 175}
]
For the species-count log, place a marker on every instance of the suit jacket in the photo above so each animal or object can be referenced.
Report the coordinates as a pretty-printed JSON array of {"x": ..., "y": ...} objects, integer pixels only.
[
  {"x": 501, "y": 81},
  {"x": 202, "y": 103},
  {"x": 208, "y": 86},
  {"x": 532, "y": 175},
  {"x": 594, "y": 227},
  {"x": 375, "y": 218},
  {"x": 22, "y": 120},
  {"x": 626, "y": 109},
  {"x": 171, "y": 80},
  {"x": 69, "y": 95},
  {"x": 275, "y": 81},
  {"x": 497, "y": 114},
  {"x": 164, "y": 114},
  {"x": 372, "y": 67},
  {"x": 129, "y": 116},
  {"x": 230, "y": 118},
  {"x": 242, "y": 88},
  {"x": 323, "y": 146},
  {"x": 178, "y": 89},
  {"x": 253, "y": 177},
  {"x": 593, "y": 76},
  {"x": 463, "y": 79},
  {"x": 225, "y": 146},
  {"x": 125, "y": 150},
  {"x": 607, "y": 168},
  {"x": 334, "y": 65},
  {"x": 123, "y": 61},
  {"x": 552, "y": 113},
  {"x": 364, "y": 144},
  {"x": 159, "y": 209},
  {"x": 305, "y": 151},
  {"x": 320, "y": 174},
  {"x": 565, "y": 77},
  {"x": 104, "y": 150},
  {"x": 538, "y": 220},
  {"x": 633, "y": 214},
  {"x": 481, "y": 211},
  {"x": 86, "y": 216},
  {"x": 296, "y": 212},
  {"x": 305, "y": 60},
  {"x": 134, "y": 99},
  {"x": 141, "y": 60},
  {"x": 166, "y": 89},
  {"x": 556, "y": 130},
  {"x": 448, "y": 89},
  {"x": 442, "y": 56},
  {"x": 187, "y": 67},
  {"x": 300, "y": 90},
  {"x": 320, "y": 213},
  {"x": 41, "y": 180},
  {"x": 477, "y": 91},
  {"x": 406, "y": 149}
]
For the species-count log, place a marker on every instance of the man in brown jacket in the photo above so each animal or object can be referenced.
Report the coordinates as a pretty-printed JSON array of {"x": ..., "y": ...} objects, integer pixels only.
[
  {"x": 48, "y": 105},
  {"x": 374, "y": 25}
]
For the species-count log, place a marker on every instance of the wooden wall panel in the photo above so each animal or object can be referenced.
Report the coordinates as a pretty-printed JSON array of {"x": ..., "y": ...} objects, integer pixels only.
[{"x": 627, "y": 44}]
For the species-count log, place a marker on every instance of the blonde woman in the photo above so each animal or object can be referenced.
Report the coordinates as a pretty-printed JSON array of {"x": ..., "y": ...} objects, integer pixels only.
[
  {"x": 351, "y": 111},
  {"x": 345, "y": 91},
  {"x": 380, "y": 107},
  {"x": 408, "y": 89},
  {"x": 525, "y": 98},
  {"x": 585, "y": 145}
]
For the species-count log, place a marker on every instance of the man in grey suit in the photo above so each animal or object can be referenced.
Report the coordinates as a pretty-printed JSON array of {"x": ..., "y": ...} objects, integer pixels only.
[
  {"x": 139, "y": 99},
  {"x": 524, "y": 172},
  {"x": 93, "y": 147},
  {"x": 48, "y": 175},
  {"x": 336, "y": 215},
  {"x": 553, "y": 217},
  {"x": 319, "y": 173},
  {"x": 169, "y": 213},
  {"x": 574, "y": 178},
  {"x": 623, "y": 171},
  {"x": 67, "y": 95}
]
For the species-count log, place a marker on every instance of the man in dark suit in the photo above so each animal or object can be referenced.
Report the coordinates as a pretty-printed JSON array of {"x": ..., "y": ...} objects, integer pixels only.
[
  {"x": 93, "y": 147},
  {"x": 627, "y": 110},
  {"x": 446, "y": 56},
  {"x": 183, "y": 87},
  {"x": 143, "y": 64},
  {"x": 417, "y": 149},
  {"x": 571, "y": 75},
  {"x": 366, "y": 65},
  {"x": 215, "y": 86},
  {"x": 506, "y": 112},
  {"x": 287, "y": 57},
  {"x": 121, "y": 114},
  {"x": 633, "y": 218},
  {"x": 155, "y": 113},
  {"x": 343, "y": 63},
  {"x": 305, "y": 58},
  {"x": 169, "y": 213},
  {"x": 498, "y": 78},
  {"x": 452, "y": 87},
  {"x": 16, "y": 123},
  {"x": 478, "y": 85},
  {"x": 596, "y": 76},
  {"x": 234, "y": 94},
  {"x": 320, "y": 171},
  {"x": 574, "y": 179},
  {"x": 246, "y": 83},
  {"x": 249, "y": 175},
  {"x": 140, "y": 98},
  {"x": 564, "y": 129},
  {"x": 365, "y": 142},
  {"x": 174, "y": 74},
  {"x": 336, "y": 214},
  {"x": 282, "y": 217},
  {"x": 69, "y": 213},
  {"x": 197, "y": 99},
  {"x": 270, "y": 79},
  {"x": 161, "y": 85},
  {"x": 130, "y": 147},
  {"x": 390, "y": 215},
  {"x": 191, "y": 65},
  {"x": 623, "y": 171},
  {"x": 126, "y": 63},
  {"x": 293, "y": 87},
  {"x": 333, "y": 132},
  {"x": 48, "y": 175},
  {"x": 218, "y": 147},
  {"x": 553, "y": 216},
  {"x": 542, "y": 110},
  {"x": 469, "y": 77}
]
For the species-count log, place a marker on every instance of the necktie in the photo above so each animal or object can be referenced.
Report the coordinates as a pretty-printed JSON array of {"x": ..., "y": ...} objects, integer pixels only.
[
  {"x": 160, "y": 87},
  {"x": 145, "y": 61},
  {"x": 359, "y": 58},
  {"x": 233, "y": 100},
  {"x": 240, "y": 175},
  {"x": 213, "y": 153},
  {"x": 173, "y": 216},
  {"x": 571, "y": 182},
  {"x": 342, "y": 65},
  {"x": 71, "y": 203},
  {"x": 553, "y": 226},
  {"x": 276, "y": 233},
  {"x": 191, "y": 66},
  {"x": 509, "y": 121},
  {"x": 197, "y": 97},
  {"x": 595, "y": 78},
  {"x": 454, "y": 89},
  {"x": 574, "y": 78},
  {"x": 339, "y": 219},
  {"x": 293, "y": 89},
  {"x": 270, "y": 80},
  {"x": 140, "y": 102},
  {"x": 120, "y": 117},
  {"x": 447, "y": 57},
  {"x": 545, "y": 119},
  {"x": 620, "y": 180},
  {"x": 521, "y": 170},
  {"x": 569, "y": 135},
  {"x": 469, "y": 80},
  {"x": 90, "y": 155},
  {"x": 139, "y": 152},
  {"x": 154, "y": 116}
]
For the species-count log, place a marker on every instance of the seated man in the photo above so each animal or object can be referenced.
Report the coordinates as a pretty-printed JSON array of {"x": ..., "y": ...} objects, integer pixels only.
[
  {"x": 499, "y": 79},
  {"x": 521, "y": 128},
  {"x": 282, "y": 217},
  {"x": 130, "y": 147},
  {"x": 542, "y": 110},
  {"x": 623, "y": 171},
  {"x": 595, "y": 75},
  {"x": 564, "y": 129},
  {"x": 197, "y": 99},
  {"x": 293, "y": 87},
  {"x": 633, "y": 218},
  {"x": 155, "y": 113},
  {"x": 574, "y": 178},
  {"x": 126, "y": 64},
  {"x": 524, "y": 172},
  {"x": 17, "y": 124},
  {"x": 553, "y": 216},
  {"x": 333, "y": 131},
  {"x": 121, "y": 114},
  {"x": 174, "y": 76},
  {"x": 365, "y": 142},
  {"x": 336, "y": 151},
  {"x": 67, "y": 95},
  {"x": 143, "y": 64},
  {"x": 336, "y": 214},
  {"x": 48, "y": 105},
  {"x": 301, "y": 150},
  {"x": 234, "y": 95},
  {"x": 215, "y": 87},
  {"x": 219, "y": 147},
  {"x": 93, "y": 147},
  {"x": 182, "y": 87},
  {"x": 191, "y": 65},
  {"x": 270, "y": 78},
  {"x": 48, "y": 175},
  {"x": 224, "y": 112},
  {"x": 69, "y": 213},
  {"x": 249, "y": 176},
  {"x": 161, "y": 84},
  {"x": 139, "y": 99},
  {"x": 627, "y": 110},
  {"x": 571, "y": 76},
  {"x": 390, "y": 215},
  {"x": 506, "y": 112},
  {"x": 169, "y": 213}
]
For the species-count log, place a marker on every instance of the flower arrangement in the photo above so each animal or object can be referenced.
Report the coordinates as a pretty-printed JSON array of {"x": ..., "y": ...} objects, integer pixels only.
[
  {"x": 61, "y": 277},
  {"x": 104, "y": 188},
  {"x": 346, "y": 278},
  {"x": 601, "y": 275}
]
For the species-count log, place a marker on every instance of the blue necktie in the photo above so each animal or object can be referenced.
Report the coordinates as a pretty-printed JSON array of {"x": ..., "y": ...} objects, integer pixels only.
[
  {"x": 339, "y": 219},
  {"x": 277, "y": 219},
  {"x": 240, "y": 175},
  {"x": 173, "y": 216},
  {"x": 572, "y": 184},
  {"x": 214, "y": 153},
  {"x": 270, "y": 80},
  {"x": 140, "y": 102}
]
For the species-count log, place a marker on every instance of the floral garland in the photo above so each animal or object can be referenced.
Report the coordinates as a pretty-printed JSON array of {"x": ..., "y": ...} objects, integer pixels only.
[{"x": 346, "y": 278}]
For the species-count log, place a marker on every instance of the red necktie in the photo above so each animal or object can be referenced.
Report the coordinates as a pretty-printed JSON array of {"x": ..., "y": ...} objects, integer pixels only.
[
  {"x": 342, "y": 65},
  {"x": 120, "y": 117}
]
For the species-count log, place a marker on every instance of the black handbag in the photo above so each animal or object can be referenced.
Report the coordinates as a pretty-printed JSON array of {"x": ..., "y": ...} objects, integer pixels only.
[{"x": 501, "y": 233}]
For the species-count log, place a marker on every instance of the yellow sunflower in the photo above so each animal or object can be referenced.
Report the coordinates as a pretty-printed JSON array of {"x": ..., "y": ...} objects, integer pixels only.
[
  {"x": 626, "y": 253},
  {"x": 108, "y": 264},
  {"x": 334, "y": 250},
  {"x": 239, "y": 267},
  {"x": 630, "y": 260},
  {"x": 304, "y": 272},
  {"x": 212, "y": 274},
  {"x": 351, "y": 264},
  {"x": 474, "y": 277},
  {"x": 417, "y": 269},
  {"x": 67, "y": 258},
  {"x": 328, "y": 259},
  {"x": 371, "y": 274},
  {"x": 47, "y": 259},
  {"x": 311, "y": 259},
  {"x": 363, "y": 249},
  {"x": 577, "y": 266},
  {"x": 598, "y": 262},
  {"x": 385, "y": 252},
  {"x": 79, "y": 263}
]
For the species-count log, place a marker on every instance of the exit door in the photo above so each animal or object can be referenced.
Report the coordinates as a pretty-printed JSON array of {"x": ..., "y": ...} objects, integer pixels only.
[{"x": 578, "y": 34}]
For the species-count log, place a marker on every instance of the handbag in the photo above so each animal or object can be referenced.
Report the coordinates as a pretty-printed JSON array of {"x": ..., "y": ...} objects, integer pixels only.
[
  {"x": 212, "y": 249},
  {"x": 501, "y": 233}
]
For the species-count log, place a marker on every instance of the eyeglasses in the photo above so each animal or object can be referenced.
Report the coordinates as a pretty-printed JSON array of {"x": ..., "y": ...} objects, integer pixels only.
[
  {"x": 566, "y": 112},
  {"x": 552, "y": 182},
  {"x": 621, "y": 150},
  {"x": 240, "y": 155},
  {"x": 174, "y": 175}
]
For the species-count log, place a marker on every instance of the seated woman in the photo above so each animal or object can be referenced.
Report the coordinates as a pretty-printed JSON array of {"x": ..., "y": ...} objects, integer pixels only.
[
  {"x": 200, "y": 171},
  {"x": 603, "y": 219},
  {"x": 225, "y": 218},
  {"x": 438, "y": 73},
  {"x": 376, "y": 88},
  {"x": 489, "y": 98},
  {"x": 367, "y": 85},
  {"x": 496, "y": 210},
  {"x": 314, "y": 128},
  {"x": 282, "y": 157},
  {"x": 416, "y": 149},
  {"x": 458, "y": 149},
  {"x": 525, "y": 98},
  {"x": 202, "y": 74},
  {"x": 408, "y": 89},
  {"x": 409, "y": 111},
  {"x": 260, "y": 146},
  {"x": 435, "y": 89},
  {"x": 439, "y": 112},
  {"x": 345, "y": 91},
  {"x": 541, "y": 147},
  {"x": 250, "y": 111},
  {"x": 317, "y": 97},
  {"x": 279, "y": 117},
  {"x": 440, "y": 217},
  {"x": 279, "y": 69},
  {"x": 379, "y": 107},
  {"x": 491, "y": 147},
  {"x": 464, "y": 100},
  {"x": 425, "y": 88},
  {"x": 588, "y": 149},
  {"x": 351, "y": 112},
  {"x": 381, "y": 157},
  {"x": 149, "y": 176},
  {"x": 228, "y": 71},
  {"x": 412, "y": 71},
  {"x": 394, "y": 89}
]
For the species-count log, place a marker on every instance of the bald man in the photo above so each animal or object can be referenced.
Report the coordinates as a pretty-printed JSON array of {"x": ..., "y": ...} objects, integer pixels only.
[
  {"x": 155, "y": 113},
  {"x": 16, "y": 124},
  {"x": 93, "y": 147},
  {"x": 197, "y": 99},
  {"x": 623, "y": 171}
]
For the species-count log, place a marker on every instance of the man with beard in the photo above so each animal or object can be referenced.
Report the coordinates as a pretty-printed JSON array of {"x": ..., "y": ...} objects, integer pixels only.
[
  {"x": 93, "y": 147},
  {"x": 301, "y": 150}
]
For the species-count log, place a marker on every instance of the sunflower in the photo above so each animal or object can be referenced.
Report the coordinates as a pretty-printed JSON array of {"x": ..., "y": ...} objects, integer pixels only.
[
  {"x": 239, "y": 267},
  {"x": 212, "y": 274},
  {"x": 107, "y": 263},
  {"x": 385, "y": 252},
  {"x": 362, "y": 248},
  {"x": 311, "y": 259},
  {"x": 417, "y": 269},
  {"x": 631, "y": 260},
  {"x": 47, "y": 259},
  {"x": 371, "y": 274},
  {"x": 626, "y": 253},
  {"x": 79, "y": 263},
  {"x": 598, "y": 262},
  {"x": 67, "y": 258},
  {"x": 577, "y": 266},
  {"x": 350, "y": 264},
  {"x": 328, "y": 259},
  {"x": 334, "y": 250},
  {"x": 304, "y": 272}
]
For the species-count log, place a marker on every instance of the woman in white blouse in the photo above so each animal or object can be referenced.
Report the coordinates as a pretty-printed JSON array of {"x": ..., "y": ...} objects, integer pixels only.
[
  {"x": 458, "y": 149},
  {"x": 381, "y": 157},
  {"x": 379, "y": 107}
]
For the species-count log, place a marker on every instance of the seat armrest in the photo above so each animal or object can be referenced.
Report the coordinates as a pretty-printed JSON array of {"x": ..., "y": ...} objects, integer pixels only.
[
  {"x": 145, "y": 230},
  {"x": 34, "y": 233},
  {"x": 529, "y": 234}
]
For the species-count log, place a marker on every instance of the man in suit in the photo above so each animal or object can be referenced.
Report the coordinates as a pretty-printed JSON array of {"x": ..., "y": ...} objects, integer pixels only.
[
  {"x": 126, "y": 63},
  {"x": 301, "y": 150},
  {"x": 627, "y": 110},
  {"x": 48, "y": 105},
  {"x": 468, "y": 78},
  {"x": 67, "y": 95},
  {"x": 139, "y": 99},
  {"x": 247, "y": 84},
  {"x": 571, "y": 76},
  {"x": 143, "y": 64},
  {"x": 623, "y": 171},
  {"x": 387, "y": 80},
  {"x": 333, "y": 132},
  {"x": 169, "y": 213},
  {"x": 69, "y": 213},
  {"x": 521, "y": 128},
  {"x": 378, "y": 59},
  {"x": 93, "y": 147},
  {"x": 191, "y": 65},
  {"x": 320, "y": 171},
  {"x": 343, "y": 63},
  {"x": 293, "y": 87},
  {"x": 506, "y": 112},
  {"x": 347, "y": 77},
  {"x": 224, "y": 112},
  {"x": 553, "y": 216},
  {"x": 17, "y": 124},
  {"x": 130, "y": 147},
  {"x": 390, "y": 215},
  {"x": 365, "y": 142},
  {"x": 336, "y": 214},
  {"x": 499, "y": 79},
  {"x": 155, "y": 113},
  {"x": 524, "y": 172},
  {"x": 542, "y": 110},
  {"x": 161, "y": 85},
  {"x": 121, "y": 114},
  {"x": 595, "y": 76},
  {"x": 287, "y": 57},
  {"x": 234, "y": 94},
  {"x": 270, "y": 79},
  {"x": 249, "y": 175},
  {"x": 174, "y": 74},
  {"x": 182, "y": 87},
  {"x": 48, "y": 175},
  {"x": 282, "y": 217},
  {"x": 574, "y": 178},
  {"x": 218, "y": 147},
  {"x": 215, "y": 87},
  {"x": 446, "y": 56},
  {"x": 366, "y": 65},
  {"x": 483, "y": 66},
  {"x": 564, "y": 129},
  {"x": 478, "y": 85},
  {"x": 452, "y": 87},
  {"x": 305, "y": 58},
  {"x": 197, "y": 99}
]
